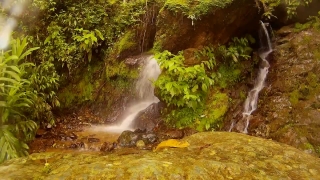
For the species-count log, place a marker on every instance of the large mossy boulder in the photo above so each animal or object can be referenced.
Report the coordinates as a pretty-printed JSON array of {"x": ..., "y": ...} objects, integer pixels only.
[
  {"x": 211, "y": 155},
  {"x": 191, "y": 24}
]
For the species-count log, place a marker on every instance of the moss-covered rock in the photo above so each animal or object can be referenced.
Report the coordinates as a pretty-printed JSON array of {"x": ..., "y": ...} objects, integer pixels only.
[
  {"x": 191, "y": 24},
  {"x": 288, "y": 109},
  {"x": 211, "y": 155}
]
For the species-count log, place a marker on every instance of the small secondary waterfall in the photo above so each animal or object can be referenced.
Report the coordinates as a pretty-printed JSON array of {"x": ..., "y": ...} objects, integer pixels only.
[
  {"x": 251, "y": 103},
  {"x": 145, "y": 91}
]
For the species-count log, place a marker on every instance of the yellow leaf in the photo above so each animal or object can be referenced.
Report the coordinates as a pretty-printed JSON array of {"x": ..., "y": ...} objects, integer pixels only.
[{"x": 172, "y": 143}]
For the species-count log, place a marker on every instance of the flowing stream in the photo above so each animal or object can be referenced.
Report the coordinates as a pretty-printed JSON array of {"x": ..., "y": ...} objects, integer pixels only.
[
  {"x": 251, "y": 103},
  {"x": 145, "y": 91}
]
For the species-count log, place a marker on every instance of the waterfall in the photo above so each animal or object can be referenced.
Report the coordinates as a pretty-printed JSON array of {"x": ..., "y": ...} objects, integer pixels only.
[
  {"x": 251, "y": 103},
  {"x": 145, "y": 92}
]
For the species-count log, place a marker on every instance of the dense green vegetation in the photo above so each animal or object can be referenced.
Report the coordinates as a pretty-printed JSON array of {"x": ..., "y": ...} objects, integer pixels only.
[
  {"x": 16, "y": 94},
  {"x": 269, "y": 6},
  {"x": 63, "y": 53},
  {"x": 71, "y": 38},
  {"x": 193, "y": 91}
]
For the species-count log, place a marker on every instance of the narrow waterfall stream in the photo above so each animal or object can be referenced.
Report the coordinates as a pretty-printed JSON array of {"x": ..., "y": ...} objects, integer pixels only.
[
  {"x": 251, "y": 103},
  {"x": 145, "y": 92}
]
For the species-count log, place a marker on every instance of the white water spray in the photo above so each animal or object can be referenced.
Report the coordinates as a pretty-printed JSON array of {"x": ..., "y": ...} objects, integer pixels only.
[
  {"x": 145, "y": 91},
  {"x": 251, "y": 102},
  {"x": 7, "y": 24}
]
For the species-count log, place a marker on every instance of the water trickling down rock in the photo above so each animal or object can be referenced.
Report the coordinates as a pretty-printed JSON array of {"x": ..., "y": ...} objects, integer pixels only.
[
  {"x": 145, "y": 92},
  {"x": 251, "y": 103}
]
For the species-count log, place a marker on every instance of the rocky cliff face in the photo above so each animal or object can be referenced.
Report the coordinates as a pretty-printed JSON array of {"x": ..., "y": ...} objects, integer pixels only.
[
  {"x": 289, "y": 106},
  {"x": 177, "y": 31},
  {"x": 217, "y": 155}
]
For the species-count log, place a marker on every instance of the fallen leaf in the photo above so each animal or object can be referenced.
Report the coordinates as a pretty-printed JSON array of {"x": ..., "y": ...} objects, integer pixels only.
[{"x": 172, "y": 143}]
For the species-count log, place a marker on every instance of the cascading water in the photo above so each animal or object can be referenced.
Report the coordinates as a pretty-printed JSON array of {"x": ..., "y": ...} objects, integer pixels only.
[
  {"x": 145, "y": 91},
  {"x": 251, "y": 103}
]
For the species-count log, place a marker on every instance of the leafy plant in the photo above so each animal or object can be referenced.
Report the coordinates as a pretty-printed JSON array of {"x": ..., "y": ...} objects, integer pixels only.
[
  {"x": 44, "y": 82},
  {"x": 193, "y": 10},
  {"x": 15, "y": 127},
  {"x": 179, "y": 85},
  {"x": 88, "y": 40},
  {"x": 291, "y": 6}
]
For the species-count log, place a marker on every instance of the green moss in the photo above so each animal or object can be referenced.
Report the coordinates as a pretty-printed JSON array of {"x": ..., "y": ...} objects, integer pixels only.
[
  {"x": 312, "y": 79},
  {"x": 125, "y": 42},
  {"x": 195, "y": 9},
  {"x": 294, "y": 97},
  {"x": 309, "y": 146},
  {"x": 229, "y": 75},
  {"x": 121, "y": 71},
  {"x": 300, "y": 27},
  {"x": 243, "y": 95},
  {"x": 317, "y": 55},
  {"x": 216, "y": 107},
  {"x": 75, "y": 94}
]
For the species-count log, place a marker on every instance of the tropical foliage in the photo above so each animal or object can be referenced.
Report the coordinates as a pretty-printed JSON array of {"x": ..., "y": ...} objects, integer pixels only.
[
  {"x": 183, "y": 86},
  {"x": 15, "y": 96},
  {"x": 291, "y": 6},
  {"x": 186, "y": 88}
]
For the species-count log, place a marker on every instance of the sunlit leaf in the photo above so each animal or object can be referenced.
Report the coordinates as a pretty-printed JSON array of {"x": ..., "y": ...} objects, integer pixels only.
[{"x": 172, "y": 143}]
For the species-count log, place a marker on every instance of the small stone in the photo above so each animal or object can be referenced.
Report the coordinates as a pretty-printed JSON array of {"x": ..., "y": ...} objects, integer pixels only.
[
  {"x": 73, "y": 136},
  {"x": 63, "y": 136},
  {"x": 174, "y": 134},
  {"x": 78, "y": 145},
  {"x": 128, "y": 139},
  {"x": 140, "y": 144},
  {"x": 149, "y": 138},
  {"x": 106, "y": 146},
  {"x": 73, "y": 146},
  {"x": 91, "y": 140},
  {"x": 40, "y": 133}
]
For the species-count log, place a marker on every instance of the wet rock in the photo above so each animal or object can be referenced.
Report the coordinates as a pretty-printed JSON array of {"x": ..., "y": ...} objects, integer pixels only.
[
  {"x": 63, "y": 136},
  {"x": 77, "y": 145},
  {"x": 189, "y": 131},
  {"x": 287, "y": 109},
  {"x": 128, "y": 139},
  {"x": 284, "y": 31},
  {"x": 49, "y": 126},
  {"x": 48, "y": 135},
  {"x": 149, "y": 118},
  {"x": 140, "y": 144},
  {"x": 73, "y": 136},
  {"x": 149, "y": 138},
  {"x": 107, "y": 146},
  {"x": 176, "y": 31},
  {"x": 174, "y": 134},
  {"x": 211, "y": 155},
  {"x": 73, "y": 146},
  {"x": 49, "y": 143},
  {"x": 135, "y": 60},
  {"x": 92, "y": 140},
  {"x": 40, "y": 132}
]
